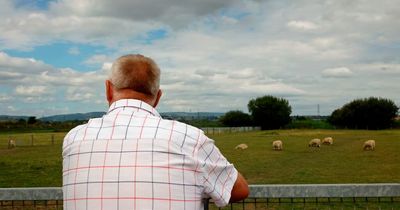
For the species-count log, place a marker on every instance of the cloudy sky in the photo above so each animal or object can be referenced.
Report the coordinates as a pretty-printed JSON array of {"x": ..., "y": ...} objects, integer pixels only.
[{"x": 214, "y": 55}]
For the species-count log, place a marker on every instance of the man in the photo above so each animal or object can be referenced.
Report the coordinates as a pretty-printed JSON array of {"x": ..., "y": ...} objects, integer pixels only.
[{"x": 131, "y": 158}]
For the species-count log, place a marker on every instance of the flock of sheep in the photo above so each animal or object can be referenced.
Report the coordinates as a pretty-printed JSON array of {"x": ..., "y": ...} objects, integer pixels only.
[{"x": 278, "y": 144}]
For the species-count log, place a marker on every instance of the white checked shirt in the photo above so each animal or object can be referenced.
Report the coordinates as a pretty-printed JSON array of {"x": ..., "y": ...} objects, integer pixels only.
[{"x": 133, "y": 159}]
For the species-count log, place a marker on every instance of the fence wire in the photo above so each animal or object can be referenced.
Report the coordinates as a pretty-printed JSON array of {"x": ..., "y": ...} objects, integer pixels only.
[{"x": 386, "y": 203}]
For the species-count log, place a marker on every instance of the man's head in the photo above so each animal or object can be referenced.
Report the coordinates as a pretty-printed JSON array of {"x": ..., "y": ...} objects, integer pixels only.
[{"x": 134, "y": 77}]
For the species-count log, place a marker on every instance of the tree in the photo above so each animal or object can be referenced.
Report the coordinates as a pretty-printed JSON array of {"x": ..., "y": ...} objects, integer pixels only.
[
  {"x": 32, "y": 120},
  {"x": 270, "y": 112},
  {"x": 236, "y": 119},
  {"x": 368, "y": 113}
]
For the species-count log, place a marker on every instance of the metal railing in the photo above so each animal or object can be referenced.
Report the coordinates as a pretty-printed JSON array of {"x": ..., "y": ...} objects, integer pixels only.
[
  {"x": 220, "y": 130},
  {"x": 31, "y": 198},
  {"x": 320, "y": 196},
  {"x": 306, "y": 196}
]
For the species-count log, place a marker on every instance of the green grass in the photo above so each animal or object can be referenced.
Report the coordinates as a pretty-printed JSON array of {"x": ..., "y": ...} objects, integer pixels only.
[
  {"x": 31, "y": 166},
  {"x": 342, "y": 162}
]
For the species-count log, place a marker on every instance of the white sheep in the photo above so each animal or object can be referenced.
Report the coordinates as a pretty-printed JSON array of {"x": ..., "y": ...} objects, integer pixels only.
[
  {"x": 241, "y": 146},
  {"x": 11, "y": 143},
  {"x": 315, "y": 143},
  {"x": 327, "y": 140},
  {"x": 277, "y": 145},
  {"x": 369, "y": 145}
]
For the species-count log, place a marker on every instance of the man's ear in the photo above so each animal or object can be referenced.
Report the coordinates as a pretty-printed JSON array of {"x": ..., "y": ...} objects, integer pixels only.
[
  {"x": 109, "y": 91},
  {"x": 159, "y": 94}
]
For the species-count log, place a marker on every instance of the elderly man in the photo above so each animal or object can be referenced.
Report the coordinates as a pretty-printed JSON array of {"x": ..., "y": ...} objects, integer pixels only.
[{"x": 131, "y": 158}]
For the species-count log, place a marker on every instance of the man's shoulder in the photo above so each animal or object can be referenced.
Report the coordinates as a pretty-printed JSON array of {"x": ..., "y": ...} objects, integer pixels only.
[
  {"x": 187, "y": 128},
  {"x": 77, "y": 128}
]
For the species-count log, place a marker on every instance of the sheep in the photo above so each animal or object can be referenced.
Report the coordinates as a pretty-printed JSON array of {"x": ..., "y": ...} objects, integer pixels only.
[
  {"x": 327, "y": 140},
  {"x": 277, "y": 145},
  {"x": 369, "y": 145},
  {"x": 241, "y": 146},
  {"x": 11, "y": 143},
  {"x": 315, "y": 143}
]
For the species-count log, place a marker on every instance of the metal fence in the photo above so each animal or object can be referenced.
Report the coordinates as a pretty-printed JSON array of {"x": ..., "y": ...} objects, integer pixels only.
[
  {"x": 320, "y": 197},
  {"x": 30, "y": 139},
  {"x": 220, "y": 130},
  {"x": 31, "y": 198},
  {"x": 264, "y": 197}
]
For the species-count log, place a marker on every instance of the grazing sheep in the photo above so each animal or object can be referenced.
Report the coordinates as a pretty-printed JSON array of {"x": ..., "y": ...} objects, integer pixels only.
[
  {"x": 11, "y": 144},
  {"x": 327, "y": 140},
  {"x": 369, "y": 145},
  {"x": 277, "y": 145},
  {"x": 241, "y": 146},
  {"x": 315, "y": 143}
]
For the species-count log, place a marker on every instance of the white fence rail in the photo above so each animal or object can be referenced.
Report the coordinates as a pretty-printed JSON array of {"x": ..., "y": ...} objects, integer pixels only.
[{"x": 380, "y": 196}]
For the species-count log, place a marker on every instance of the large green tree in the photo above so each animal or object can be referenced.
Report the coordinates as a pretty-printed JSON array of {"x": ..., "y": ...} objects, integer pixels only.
[
  {"x": 270, "y": 112},
  {"x": 368, "y": 113},
  {"x": 235, "y": 119}
]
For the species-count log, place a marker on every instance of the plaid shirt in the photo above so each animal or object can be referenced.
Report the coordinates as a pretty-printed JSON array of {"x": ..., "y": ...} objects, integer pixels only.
[{"x": 131, "y": 158}]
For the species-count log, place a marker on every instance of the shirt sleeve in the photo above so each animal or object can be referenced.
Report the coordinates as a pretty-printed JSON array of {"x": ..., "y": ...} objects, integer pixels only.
[{"x": 218, "y": 174}]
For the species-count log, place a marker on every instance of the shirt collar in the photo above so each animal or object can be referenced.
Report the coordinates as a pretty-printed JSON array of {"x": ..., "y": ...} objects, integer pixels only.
[{"x": 133, "y": 103}]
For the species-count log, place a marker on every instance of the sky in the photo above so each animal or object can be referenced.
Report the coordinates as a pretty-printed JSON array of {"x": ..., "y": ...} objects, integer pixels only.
[{"x": 214, "y": 56}]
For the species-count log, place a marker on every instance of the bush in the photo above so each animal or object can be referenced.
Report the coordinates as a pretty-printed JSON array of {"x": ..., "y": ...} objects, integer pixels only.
[
  {"x": 236, "y": 119},
  {"x": 270, "y": 112},
  {"x": 369, "y": 113}
]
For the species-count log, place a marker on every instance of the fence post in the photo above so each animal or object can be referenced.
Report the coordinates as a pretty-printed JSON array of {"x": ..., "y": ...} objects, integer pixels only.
[{"x": 31, "y": 139}]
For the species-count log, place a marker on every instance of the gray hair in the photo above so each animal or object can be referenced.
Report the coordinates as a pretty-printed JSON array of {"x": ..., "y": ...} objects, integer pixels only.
[{"x": 136, "y": 72}]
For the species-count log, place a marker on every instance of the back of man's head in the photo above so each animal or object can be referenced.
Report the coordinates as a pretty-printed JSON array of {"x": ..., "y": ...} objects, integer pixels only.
[{"x": 136, "y": 72}]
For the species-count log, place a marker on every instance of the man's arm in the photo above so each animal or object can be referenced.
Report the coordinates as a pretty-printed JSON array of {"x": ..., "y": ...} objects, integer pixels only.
[{"x": 240, "y": 189}]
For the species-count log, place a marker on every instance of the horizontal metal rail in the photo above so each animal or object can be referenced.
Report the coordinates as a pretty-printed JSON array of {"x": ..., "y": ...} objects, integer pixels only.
[
  {"x": 325, "y": 190},
  {"x": 303, "y": 191},
  {"x": 31, "y": 194}
]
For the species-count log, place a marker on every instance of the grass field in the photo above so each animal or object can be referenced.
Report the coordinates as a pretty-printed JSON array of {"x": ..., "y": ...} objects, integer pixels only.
[{"x": 342, "y": 162}]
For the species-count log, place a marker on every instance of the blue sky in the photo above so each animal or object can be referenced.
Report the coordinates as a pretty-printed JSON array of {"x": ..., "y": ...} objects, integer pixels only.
[
  {"x": 63, "y": 55},
  {"x": 214, "y": 55}
]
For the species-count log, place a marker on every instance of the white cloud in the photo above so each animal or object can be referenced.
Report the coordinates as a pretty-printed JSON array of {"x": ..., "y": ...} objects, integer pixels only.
[
  {"x": 80, "y": 94},
  {"x": 11, "y": 108},
  {"x": 15, "y": 66},
  {"x": 175, "y": 12},
  {"x": 97, "y": 59},
  {"x": 31, "y": 90},
  {"x": 228, "y": 51},
  {"x": 302, "y": 25},
  {"x": 341, "y": 72},
  {"x": 4, "y": 98}
]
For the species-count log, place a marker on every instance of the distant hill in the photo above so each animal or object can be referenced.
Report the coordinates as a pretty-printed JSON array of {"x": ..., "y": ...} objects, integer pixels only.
[
  {"x": 72, "y": 117},
  {"x": 191, "y": 115},
  {"x": 167, "y": 115},
  {"x": 12, "y": 118},
  {"x": 87, "y": 116}
]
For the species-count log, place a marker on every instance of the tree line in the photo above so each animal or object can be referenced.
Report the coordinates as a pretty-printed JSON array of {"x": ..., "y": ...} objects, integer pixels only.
[
  {"x": 268, "y": 112},
  {"x": 271, "y": 112}
]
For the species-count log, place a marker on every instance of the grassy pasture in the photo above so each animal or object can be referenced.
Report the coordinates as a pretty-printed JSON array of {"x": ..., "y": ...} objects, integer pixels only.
[
  {"x": 342, "y": 162},
  {"x": 31, "y": 166}
]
